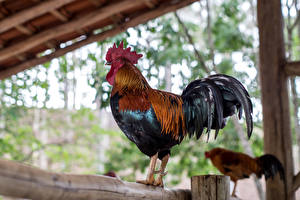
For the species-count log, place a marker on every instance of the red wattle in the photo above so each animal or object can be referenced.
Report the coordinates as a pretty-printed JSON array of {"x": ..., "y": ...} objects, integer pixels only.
[{"x": 110, "y": 77}]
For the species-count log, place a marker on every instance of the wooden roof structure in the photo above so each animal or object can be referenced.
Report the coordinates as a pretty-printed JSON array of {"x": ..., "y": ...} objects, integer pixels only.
[{"x": 30, "y": 27}]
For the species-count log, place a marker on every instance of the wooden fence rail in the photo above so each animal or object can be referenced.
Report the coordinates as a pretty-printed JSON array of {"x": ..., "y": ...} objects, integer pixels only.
[{"x": 23, "y": 181}]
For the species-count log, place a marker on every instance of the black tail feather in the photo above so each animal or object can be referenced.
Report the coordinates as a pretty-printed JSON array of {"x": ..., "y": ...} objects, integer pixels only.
[
  {"x": 235, "y": 96},
  {"x": 203, "y": 107},
  {"x": 270, "y": 165},
  {"x": 209, "y": 101}
]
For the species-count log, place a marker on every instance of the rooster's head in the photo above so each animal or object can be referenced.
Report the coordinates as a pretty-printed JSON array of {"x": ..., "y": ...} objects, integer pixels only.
[
  {"x": 207, "y": 154},
  {"x": 116, "y": 57}
]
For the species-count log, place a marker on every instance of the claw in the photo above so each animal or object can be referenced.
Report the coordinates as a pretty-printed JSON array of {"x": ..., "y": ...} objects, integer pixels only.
[
  {"x": 146, "y": 182},
  {"x": 159, "y": 182}
]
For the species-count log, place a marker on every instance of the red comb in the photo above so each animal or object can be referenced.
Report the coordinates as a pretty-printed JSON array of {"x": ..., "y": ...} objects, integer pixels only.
[{"x": 119, "y": 52}]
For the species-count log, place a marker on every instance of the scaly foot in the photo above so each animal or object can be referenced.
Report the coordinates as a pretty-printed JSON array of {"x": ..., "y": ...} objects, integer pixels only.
[
  {"x": 150, "y": 176},
  {"x": 147, "y": 181},
  {"x": 159, "y": 181}
]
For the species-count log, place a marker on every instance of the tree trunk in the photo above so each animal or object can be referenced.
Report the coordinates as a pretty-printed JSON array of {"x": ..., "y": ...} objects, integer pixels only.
[
  {"x": 168, "y": 78},
  {"x": 296, "y": 103},
  {"x": 43, "y": 138},
  {"x": 74, "y": 80},
  {"x": 198, "y": 55},
  {"x": 275, "y": 101},
  {"x": 2, "y": 116},
  {"x": 66, "y": 92},
  {"x": 36, "y": 121},
  {"x": 296, "y": 118}
]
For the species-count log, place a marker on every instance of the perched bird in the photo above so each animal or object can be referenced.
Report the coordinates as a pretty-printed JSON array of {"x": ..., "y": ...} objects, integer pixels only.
[
  {"x": 239, "y": 165},
  {"x": 156, "y": 120}
]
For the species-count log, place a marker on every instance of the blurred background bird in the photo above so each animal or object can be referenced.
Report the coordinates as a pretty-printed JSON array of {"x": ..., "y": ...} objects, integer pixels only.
[
  {"x": 156, "y": 120},
  {"x": 112, "y": 174},
  {"x": 239, "y": 165}
]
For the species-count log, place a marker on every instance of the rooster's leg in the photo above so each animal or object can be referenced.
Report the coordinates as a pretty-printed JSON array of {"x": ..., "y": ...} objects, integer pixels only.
[
  {"x": 233, "y": 192},
  {"x": 162, "y": 173},
  {"x": 150, "y": 176}
]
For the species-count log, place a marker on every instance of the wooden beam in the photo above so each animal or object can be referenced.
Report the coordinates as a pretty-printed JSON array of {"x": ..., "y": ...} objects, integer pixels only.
[
  {"x": 72, "y": 26},
  {"x": 97, "y": 3},
  {"x": 162, "y": 9},
  {"x": 24, "y": 30},
  {"x": 275, "y": 98},
  {"x": 23, "y": 181},
  {"x": 117, "y": 19},
  {"x": 293, "y": 68},
  {"x": 149, "y": 3},
  {"x": 59, "y": 15},
  {"x": 1, "y": 15},
  {"x": 28, "y": 14},
  {"x": 21, "y": 57},
  {"x": 81, "y": 32},
  {"x": 2, "y": 43},
  {"x": 51, "y": 44}
]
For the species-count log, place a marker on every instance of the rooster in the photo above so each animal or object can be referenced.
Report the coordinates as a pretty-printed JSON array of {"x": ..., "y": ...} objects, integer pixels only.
[
  {"x": 156, "y": 120},
  {"x": 239, "y": 166}
]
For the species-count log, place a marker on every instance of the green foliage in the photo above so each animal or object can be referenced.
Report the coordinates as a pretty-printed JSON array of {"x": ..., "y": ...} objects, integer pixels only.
[
  {"x": 296, "y": 45},
  {"x": 227, "y": 35},
  {"x": 125, "y": 155},
  {"x": 70, "y": 139},
  {"x": 16, "y": 136}
]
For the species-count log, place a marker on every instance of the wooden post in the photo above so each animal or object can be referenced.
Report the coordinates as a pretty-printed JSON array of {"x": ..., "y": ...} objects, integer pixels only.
[
  {"x": 208, "y": 187},
  {"x": 275, "y": 101}
]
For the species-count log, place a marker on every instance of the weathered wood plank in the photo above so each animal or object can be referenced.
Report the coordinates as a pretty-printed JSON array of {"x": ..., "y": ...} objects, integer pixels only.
[
  {"x": 23, "y": 181},
  {"x": 28, "y": 14},
  {"x": 162, "y": 9},
  {"x": 208, "y": 187},
  {"x": 276, "y": 113}
]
